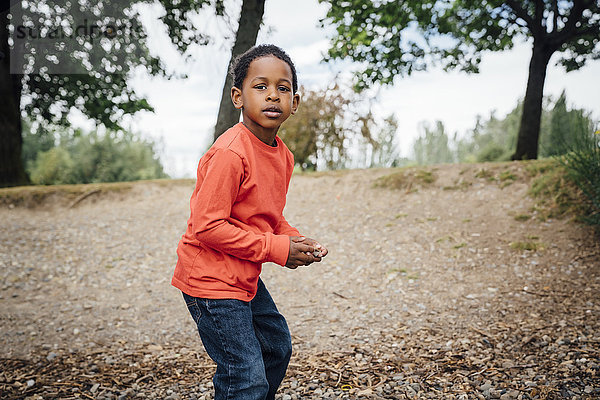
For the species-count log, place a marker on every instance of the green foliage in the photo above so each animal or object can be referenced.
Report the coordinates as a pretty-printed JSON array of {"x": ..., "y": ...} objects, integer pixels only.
[
  {"x": 384, "y": 144},
  {"x": 53, "y": 167},
  {"x": 433, "y": 146},
  {"x": 315, "y": 131},
  {"x": 89, "y": 71},
  {"x": 556, "y": 194},
  {"x": 91, "y": 157},
  {"x": 34, "y": 142},
  {"x": 492, "y": 152},
  {"x": 565, "y": 128},
  {"x": 389, "y": 38},
  {"x": 494, "y": 139},
  {"x": 408, "y": 179},
  {"x": 329, "y": 122},
  {"x": 522, "y": 217},
  {"x": 490, "y": 140},
  {"x": 583, "y": 168}
]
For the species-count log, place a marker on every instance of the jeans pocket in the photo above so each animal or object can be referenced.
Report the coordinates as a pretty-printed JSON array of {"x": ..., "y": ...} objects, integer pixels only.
[{"x": 194, "y": 309}]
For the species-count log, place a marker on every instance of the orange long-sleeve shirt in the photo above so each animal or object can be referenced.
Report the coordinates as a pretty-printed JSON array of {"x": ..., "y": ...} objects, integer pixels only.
[{"x": 236, "y": 221}]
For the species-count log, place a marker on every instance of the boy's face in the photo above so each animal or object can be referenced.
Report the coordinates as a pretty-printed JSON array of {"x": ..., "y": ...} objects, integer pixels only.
[{"x": 266, "y": 96}]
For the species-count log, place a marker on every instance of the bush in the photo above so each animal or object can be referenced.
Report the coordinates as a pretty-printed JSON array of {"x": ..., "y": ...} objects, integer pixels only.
[
  {"x": 90, "y": 158},
  {"x": 493, "y": 152},
  {"x": 54, "y": 166},
  {"x": 557, "y": 194},
  {"x": 583, "y": 168}
]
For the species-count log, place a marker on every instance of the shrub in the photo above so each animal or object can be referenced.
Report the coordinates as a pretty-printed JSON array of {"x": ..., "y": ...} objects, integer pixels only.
[
  {"x": 91, "y": 157},
  {"x": 583, "y": 168},
  {"x": 54, "y": 166}
]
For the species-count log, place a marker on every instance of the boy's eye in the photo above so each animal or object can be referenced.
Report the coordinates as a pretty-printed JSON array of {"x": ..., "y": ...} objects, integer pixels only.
[
  {"x": 284, "y": 88},
  {"x": 260, "y": 86}
]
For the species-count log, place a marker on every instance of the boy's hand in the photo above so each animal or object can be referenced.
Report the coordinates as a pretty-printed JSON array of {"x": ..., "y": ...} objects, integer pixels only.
[
  {"x": 320, "y": 250},
  {"x": 302, "y": 252}
]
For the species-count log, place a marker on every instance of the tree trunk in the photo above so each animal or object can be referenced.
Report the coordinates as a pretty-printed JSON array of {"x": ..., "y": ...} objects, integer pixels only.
[
  {"x": 12, "y": 172},
  {"x": 245, "y": 38},
  {"x": 529, "y": 130}
]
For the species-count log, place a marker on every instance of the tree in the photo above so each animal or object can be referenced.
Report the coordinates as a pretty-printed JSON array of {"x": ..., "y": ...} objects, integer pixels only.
[
  {"x": 86, "y": 157},
  {"x": 60, "y": 56},
  {"x": 384, "y": 152},
  {"x": 492, "y": 139},
  {"x": 432, "y": 147},
  {"x": 391, "y": 38},
  {"x": 565, "y": 128},
  {"x": 327, "y": 121},
  {"x": 245, "y": 38}
]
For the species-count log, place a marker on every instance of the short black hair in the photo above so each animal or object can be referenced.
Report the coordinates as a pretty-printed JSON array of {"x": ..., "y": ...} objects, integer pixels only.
[{"x": 239, "y": 67}]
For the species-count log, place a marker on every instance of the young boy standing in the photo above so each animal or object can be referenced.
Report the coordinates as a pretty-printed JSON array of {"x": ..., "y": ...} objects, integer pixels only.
[{"x": 236, "y": 224}]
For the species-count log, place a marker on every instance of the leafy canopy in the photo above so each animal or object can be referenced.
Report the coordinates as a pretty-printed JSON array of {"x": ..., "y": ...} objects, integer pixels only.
[
  {"x": 390, "y": 38},
  {"x": 79, "y": 54}
]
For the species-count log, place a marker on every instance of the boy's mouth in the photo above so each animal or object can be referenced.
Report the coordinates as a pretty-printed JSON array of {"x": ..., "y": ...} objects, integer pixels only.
[{"x": 272, "y": 111}]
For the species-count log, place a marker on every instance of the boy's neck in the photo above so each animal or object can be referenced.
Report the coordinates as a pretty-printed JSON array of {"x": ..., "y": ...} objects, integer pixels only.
[{"x": 266, "y": 136}]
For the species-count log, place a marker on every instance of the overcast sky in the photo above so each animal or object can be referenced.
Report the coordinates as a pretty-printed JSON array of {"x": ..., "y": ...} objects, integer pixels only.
[{"x": 186, "y": 110}]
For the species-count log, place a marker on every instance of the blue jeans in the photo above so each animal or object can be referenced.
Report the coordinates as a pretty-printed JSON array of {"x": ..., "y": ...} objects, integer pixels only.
[{"x": 249, "y": 341}]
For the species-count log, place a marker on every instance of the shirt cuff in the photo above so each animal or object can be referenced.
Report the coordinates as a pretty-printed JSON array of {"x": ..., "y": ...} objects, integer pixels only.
[{"x": 280, "y": 249}]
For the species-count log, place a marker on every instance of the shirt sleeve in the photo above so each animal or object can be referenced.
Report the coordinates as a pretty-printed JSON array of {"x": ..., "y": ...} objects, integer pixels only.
[
  {"x": 284, "y": 228},
  {"x": 221, "y": 176}
]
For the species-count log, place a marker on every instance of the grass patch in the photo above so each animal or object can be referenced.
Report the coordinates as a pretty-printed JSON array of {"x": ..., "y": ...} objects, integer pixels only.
[
  {"x": 535, "y": 168},
  {"x": 507, "y": 178},
  {"x": 522, "y": 217},
  {"x": 582, "y": 163},
  {"x": 507, "y": 175},
  {"x": 445, "y": 238},
  {"x": 458, "y": 185},
  {"x": 34, "y": 196},
  {"x": 529, "y": 246},
  {"x": 484, "y": 173},
  {"x": 409, "y": 179},
  {"x": 460, "y": 245},
  {"x": 556, "y": 195}
]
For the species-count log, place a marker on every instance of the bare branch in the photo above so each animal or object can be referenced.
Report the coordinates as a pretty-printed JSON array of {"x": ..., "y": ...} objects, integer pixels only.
[
  {"x": 555, "y": 16},
  {"x": 539, "y": 13}
]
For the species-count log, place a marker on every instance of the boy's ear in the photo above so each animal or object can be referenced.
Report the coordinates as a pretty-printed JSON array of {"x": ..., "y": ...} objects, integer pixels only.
[
  {"x": 236, "y": 97},
  {"x": 295, "y": 103}
]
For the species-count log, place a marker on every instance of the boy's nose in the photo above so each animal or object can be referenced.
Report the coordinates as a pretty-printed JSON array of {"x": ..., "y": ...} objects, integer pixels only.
[{"x": 272, "y": 95}]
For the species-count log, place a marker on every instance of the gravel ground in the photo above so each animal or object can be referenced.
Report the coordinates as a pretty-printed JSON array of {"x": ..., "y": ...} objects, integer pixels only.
[{"x": 427, "y": 292}]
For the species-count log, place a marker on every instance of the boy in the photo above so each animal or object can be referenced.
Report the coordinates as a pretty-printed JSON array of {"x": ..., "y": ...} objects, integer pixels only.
[{"x": 236, "y": 224}]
